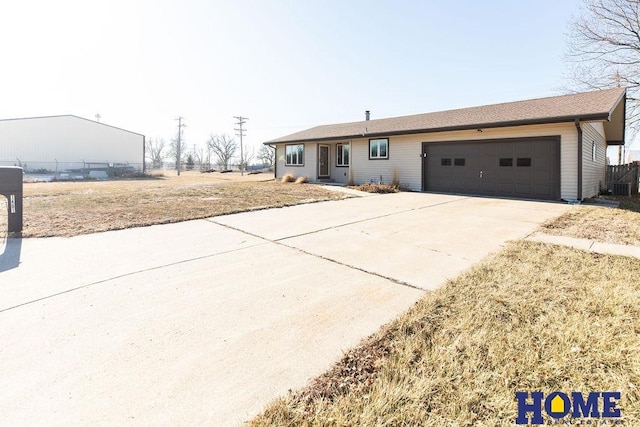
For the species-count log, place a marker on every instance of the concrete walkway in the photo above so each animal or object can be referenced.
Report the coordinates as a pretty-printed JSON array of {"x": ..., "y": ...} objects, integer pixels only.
[
  {"x": 587, "y": 245},
  {"x": 204, "y": 322}
]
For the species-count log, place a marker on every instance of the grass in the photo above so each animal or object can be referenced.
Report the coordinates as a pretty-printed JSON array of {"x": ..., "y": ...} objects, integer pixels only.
[
  {"x": 73, "y": 208},
  {"x": 611, "y": 225},
  {"x": 533, "y": 317}
]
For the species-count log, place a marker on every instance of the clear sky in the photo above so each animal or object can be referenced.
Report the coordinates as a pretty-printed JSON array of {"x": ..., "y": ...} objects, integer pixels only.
[{"x": 285, "y": 64}]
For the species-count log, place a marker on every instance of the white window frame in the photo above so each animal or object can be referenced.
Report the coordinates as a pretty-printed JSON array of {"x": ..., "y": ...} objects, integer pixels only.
[
  {"x": 377, "y": 143},
  {"x": 340, "y": 154},
  {"x": 294, "y": 155}
]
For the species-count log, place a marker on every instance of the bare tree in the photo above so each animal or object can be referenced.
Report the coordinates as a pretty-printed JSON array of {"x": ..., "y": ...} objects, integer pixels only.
[
  {"x": 267, "y": 154},
  {"x": 155, "y": 151},
  {"x": 604, "y": 50},
  {"x": 224, "y": 147},
  {"x": 249, "y": 155},
  {"x": 174, "y": 151},
  {"x": 200, "y": 157}
]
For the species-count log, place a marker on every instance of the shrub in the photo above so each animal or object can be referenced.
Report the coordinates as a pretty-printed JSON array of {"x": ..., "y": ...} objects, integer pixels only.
[
  {"x": 302, "y": 180},
  {"x": 376, "y": 188},
  {"x": 288, "y": 177}
]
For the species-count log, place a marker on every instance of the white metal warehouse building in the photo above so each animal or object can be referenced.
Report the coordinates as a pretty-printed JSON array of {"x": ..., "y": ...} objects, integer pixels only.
[{"x": 68, "y": 143}]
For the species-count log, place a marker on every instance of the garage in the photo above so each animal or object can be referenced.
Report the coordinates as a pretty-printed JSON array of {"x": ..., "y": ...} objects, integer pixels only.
[{"x": 521, "y": 167}]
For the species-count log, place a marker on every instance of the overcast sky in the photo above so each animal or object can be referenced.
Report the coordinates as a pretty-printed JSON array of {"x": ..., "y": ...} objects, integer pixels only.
[{"x": 285, "y": 64}]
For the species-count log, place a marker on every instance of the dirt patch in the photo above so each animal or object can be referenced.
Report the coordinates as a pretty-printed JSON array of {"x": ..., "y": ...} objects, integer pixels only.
[
  {"x": 631, "y": 203},
  {"x": 73, "y": 208},
  {"x": 609, "y": 225},
  {"x": 535, "y": 317}
]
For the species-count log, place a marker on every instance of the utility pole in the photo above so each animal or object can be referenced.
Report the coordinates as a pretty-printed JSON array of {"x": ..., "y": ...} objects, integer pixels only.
[
  {"x": 240, "y": 133},
  {"x": 179, "y": 144}
]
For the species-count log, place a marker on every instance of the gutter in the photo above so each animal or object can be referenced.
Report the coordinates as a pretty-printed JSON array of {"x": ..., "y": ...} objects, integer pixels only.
[
  {"x": 515, "y": 123},
  {"x": 580, "y": 157}
]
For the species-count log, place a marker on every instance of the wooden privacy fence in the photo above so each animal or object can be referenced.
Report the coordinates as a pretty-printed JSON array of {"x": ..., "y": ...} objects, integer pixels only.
[{"x": 621, "y": 174}]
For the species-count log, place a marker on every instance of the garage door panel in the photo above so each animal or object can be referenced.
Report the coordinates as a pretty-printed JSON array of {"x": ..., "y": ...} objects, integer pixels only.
[
  {"x": 506, "y": 188},
  {"x": 541, "y": 189},
  {"x": 525, "y": 167},
  {"x": 506, "y": 174}
]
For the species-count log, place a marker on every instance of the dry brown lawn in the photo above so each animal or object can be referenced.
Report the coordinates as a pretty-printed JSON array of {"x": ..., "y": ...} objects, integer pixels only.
[
  {"x": 535, "y": 317},
  {"x": 73, "y": 208},
  {"x": 611, "y": 225}
]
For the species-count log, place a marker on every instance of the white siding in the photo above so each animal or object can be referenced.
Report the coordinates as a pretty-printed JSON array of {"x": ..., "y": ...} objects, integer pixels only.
[
  {"x": 599, "y": 127},
  {"x": 593, "y": 172},
  {"x": 310, "y": 168},
  {"x": 405, "y": 152},
  {"x": 404, "y": 159},
  {"x": 338, "y": 174},
  {"x": 69, "y": 139},
  {"x": 310, "y": 160}
]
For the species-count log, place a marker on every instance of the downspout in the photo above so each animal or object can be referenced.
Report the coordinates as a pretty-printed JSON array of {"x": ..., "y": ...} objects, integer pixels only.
[
  {"x": 580, "y": 156},
  {"x": 144, "y": 155}
]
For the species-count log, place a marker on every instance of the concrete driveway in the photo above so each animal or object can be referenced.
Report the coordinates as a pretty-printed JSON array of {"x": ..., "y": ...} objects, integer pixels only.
[{"x": 204, "y": 322}]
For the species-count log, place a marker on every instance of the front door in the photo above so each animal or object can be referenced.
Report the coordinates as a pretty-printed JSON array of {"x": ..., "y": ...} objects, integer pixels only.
[{"x": 323, "y": 162}]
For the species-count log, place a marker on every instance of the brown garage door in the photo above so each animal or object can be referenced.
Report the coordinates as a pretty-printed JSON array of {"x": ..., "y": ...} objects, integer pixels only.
[{"x": 522, "y": 168}]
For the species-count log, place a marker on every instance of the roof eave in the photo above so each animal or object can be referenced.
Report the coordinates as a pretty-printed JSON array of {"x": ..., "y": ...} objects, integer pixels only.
[{"x": 514, "y": 123}]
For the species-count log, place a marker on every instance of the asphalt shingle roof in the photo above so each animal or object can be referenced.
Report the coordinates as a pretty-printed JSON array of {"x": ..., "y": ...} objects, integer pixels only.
[{"x": 596, "y": 105}]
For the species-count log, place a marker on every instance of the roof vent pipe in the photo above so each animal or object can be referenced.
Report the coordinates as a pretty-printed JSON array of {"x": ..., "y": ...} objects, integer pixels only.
[{"x": 367, "y": 115}]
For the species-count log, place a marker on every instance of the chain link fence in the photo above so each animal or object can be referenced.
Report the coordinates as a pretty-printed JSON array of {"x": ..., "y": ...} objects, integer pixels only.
[
  {"x": 59, "y": 170},
  {"x": 74, "y": 170}
]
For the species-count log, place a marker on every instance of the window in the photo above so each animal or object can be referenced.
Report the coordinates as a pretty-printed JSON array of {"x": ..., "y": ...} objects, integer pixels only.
[
  {"x": 445, "y": 162},
  {"x": 594, "y": 151},
  {"x": 342, "y": 157},
  {"x": 506, "y": 161},
  {"x": 459, "y": 162},
  {"x": 379, "y": 148},
  {"x": 294, "y": 155},
  {"x": 524, "y": 161}
]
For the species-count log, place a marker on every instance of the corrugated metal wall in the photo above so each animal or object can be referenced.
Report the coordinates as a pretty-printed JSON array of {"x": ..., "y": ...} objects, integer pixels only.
[{"x": 69, "y": 140}]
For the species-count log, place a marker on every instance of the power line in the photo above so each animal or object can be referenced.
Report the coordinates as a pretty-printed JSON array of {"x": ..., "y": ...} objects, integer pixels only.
[{"x": 240, "y": 132}]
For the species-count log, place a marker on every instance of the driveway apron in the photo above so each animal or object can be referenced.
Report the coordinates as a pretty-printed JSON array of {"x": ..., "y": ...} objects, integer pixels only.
[{"x": 205, "y": 322}]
